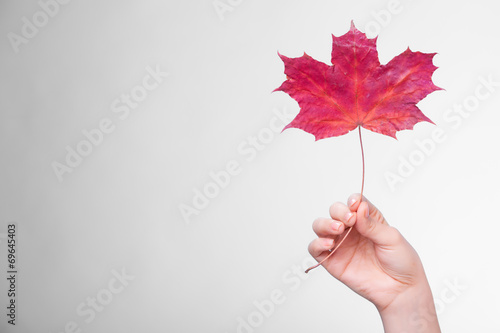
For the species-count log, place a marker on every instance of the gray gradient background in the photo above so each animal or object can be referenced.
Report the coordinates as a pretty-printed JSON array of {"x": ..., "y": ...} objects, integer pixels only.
[{"x": 119, "y": 209}]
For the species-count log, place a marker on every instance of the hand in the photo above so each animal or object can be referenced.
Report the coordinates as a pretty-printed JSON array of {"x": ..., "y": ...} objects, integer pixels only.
[{"x": 376, "y": 262}]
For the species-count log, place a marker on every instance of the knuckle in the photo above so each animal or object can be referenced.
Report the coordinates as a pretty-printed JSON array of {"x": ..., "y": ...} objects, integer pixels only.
[
  {"x": 316, "y": 224},
  {"x": 311, "y": 248},
  {"x": 395, "y": 235},
  {"x": 371, "y": 226},
  {"x": 335, "y": 207}
]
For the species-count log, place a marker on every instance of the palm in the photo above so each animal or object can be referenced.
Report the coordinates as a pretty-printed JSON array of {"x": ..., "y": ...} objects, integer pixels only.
[{"x": 371, "y": 270}]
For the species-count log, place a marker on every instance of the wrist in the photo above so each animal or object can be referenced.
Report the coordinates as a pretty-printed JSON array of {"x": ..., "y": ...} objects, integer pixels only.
[{"x": 411, "y": 311}]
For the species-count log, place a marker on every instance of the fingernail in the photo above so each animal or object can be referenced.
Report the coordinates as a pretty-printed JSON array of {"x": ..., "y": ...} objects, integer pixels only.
[
  {"x": 328, "y": 243},
  {"x": 352, "y": 202},
  {"x": 336, "y": 226},
  {"x": 367, "y": 212},
  {"x": 348, "y": 217}
]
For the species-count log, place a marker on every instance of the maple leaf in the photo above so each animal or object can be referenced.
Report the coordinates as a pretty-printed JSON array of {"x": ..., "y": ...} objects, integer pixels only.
[{"x": 357, "y": 90}]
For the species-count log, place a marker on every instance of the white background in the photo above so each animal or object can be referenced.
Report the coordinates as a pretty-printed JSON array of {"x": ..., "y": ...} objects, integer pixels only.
[{"x": 120, "y": 208}]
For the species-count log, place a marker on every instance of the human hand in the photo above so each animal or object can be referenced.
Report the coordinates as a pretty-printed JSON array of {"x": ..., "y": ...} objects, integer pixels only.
[{"x": 376, "y": 262}]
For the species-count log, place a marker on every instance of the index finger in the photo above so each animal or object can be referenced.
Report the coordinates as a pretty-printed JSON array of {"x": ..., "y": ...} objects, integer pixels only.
[{"x": 342, "y": 213}]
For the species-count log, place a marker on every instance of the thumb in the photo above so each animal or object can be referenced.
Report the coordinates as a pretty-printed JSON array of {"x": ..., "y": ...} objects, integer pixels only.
[{"x": 371, "y": 224}]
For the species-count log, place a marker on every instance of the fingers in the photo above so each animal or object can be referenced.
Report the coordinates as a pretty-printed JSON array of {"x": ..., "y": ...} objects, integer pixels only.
[
  {"x": 371, "y": 224},
  {"x": 328, "y": 228},
  {"x": 354, "y": 200},
  {"x": 319, "y": 246},
  {"x": 324, "y": 227},
  {"x": 342, "y": 213},
  {"x": 365, "y": 217},
  {"x": 341, "y": 217}
]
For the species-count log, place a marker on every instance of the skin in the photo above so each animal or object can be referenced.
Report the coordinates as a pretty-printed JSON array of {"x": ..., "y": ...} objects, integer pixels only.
[{"x": 378, "y": 263}]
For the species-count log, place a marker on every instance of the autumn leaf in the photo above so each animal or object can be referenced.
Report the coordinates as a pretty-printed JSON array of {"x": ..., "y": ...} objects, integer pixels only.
[{"x": 356, "y": 90}]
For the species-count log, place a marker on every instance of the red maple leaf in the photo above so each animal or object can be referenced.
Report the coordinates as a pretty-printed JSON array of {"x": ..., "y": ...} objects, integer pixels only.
[{"x": 357, "y": 90}]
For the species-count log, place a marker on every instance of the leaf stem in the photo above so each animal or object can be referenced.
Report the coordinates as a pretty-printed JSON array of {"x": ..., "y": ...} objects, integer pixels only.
[
  {"x": 363, "y": 159},
  {"x": 334, "y": 248}
]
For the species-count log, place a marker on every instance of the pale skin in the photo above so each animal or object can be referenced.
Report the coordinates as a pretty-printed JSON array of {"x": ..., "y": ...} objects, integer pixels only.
[{"x": 377, "y": 262}]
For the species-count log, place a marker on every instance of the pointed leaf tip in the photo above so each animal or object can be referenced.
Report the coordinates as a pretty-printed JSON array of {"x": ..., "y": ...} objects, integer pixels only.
[{"x": 353, "y": 28}]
